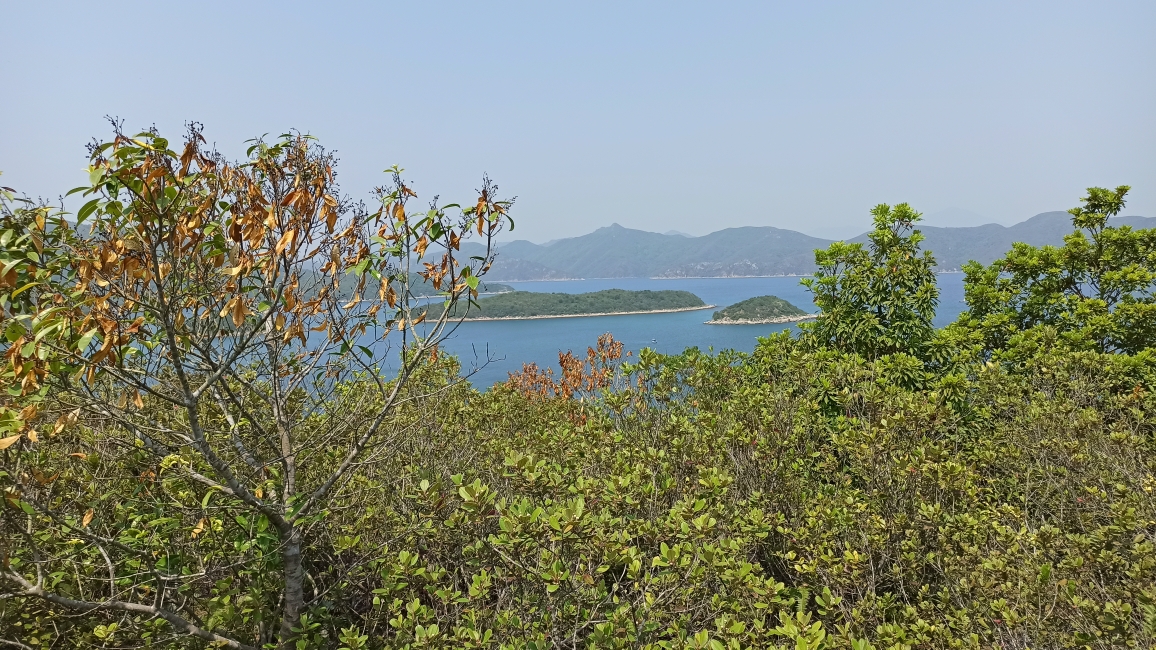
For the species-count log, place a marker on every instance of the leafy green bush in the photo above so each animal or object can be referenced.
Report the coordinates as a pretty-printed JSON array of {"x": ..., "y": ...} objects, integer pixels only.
[
  {"x": 880, "y": 299},
  {"x": 870, "y": 484},
  {"x": 1097, "y": 291}
]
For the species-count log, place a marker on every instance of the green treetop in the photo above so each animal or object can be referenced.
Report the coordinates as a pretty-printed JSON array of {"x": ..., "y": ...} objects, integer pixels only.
[
  {"x": 1096, "y": 291},
  {"x": 879, "y": 299}
]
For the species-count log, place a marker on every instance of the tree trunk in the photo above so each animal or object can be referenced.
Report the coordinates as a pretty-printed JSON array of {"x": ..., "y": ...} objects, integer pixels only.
[{"x": 294, "y": 586}]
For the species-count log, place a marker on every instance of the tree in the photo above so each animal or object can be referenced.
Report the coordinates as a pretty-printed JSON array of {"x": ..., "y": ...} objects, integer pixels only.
[
  {"x": 216, "y": 317},
  {"x": 33, "y": 237},
  {"x": 1094, "y": 292},
  {"x": 877, "y": 300}
]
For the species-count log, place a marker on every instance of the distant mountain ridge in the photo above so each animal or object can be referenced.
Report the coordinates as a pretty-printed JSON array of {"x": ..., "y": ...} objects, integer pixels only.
[{"x": 618, "y": 252}]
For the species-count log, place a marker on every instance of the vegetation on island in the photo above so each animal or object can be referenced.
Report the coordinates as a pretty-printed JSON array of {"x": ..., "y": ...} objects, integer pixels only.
[
  {"x": 766, "y": 309},
  {"x": 530, "y": 304},
  {"x": 180, "y": 470}
]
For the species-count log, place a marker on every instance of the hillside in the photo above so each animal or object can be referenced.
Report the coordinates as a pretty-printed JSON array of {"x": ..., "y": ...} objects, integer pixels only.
[
  {"x": 618, "y": 252},
  {"x": 527, "y": 304},
  {"x": 760, "y": 309}
]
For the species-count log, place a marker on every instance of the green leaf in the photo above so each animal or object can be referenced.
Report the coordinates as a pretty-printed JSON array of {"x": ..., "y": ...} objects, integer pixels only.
[
  {"x": 14, "y": 331},
  {"x": 86, "y": 210},
  {"x": 24, "y": 288},
  {"x": 85, "y": 340}
]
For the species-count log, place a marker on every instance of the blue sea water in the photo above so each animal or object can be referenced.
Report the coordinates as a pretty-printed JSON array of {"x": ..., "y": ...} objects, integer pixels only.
[{"x": 490, "y": 350}]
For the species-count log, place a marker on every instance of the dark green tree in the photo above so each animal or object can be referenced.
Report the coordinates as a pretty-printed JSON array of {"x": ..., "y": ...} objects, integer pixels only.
[
  {"x": 1094, "y": 292},
  {"x": 879, "y": 299}
]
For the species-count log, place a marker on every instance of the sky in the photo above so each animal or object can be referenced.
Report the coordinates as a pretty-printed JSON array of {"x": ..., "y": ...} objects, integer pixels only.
[{"x": 659, "y": 116}]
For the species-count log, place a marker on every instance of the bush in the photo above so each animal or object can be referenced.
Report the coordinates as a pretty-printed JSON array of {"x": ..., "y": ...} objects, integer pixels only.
[{"x": 872, "y": 484}]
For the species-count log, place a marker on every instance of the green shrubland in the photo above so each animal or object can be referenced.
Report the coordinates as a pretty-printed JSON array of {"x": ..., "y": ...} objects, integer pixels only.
[{"x": 870, "y": 483}]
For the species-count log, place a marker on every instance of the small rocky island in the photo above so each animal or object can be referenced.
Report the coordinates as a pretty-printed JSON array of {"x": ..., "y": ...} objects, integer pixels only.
[
  {"x": 759, "y": 310},
  {"x": 516, "y": 305}
]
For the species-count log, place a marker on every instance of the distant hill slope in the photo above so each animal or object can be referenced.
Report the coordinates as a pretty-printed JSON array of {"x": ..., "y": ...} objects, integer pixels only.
[{"x": 618, "y": 252}]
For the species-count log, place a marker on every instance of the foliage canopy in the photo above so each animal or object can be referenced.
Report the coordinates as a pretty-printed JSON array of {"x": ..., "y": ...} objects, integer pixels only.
[
  {"x": 1094, "y": 292},
  {"x": 203, "y": 448},
  {"x": 879, "y": 299}
]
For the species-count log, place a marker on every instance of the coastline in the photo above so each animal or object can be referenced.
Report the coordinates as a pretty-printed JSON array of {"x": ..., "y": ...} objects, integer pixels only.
[
  {"x": 688, "y": 277},
  {"x": 607, "y": 313},
  {"x": 764, "y": 321}
]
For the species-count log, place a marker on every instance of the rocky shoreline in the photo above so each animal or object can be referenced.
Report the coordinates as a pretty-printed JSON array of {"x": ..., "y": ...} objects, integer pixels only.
[{"x": 762, "y": 321}]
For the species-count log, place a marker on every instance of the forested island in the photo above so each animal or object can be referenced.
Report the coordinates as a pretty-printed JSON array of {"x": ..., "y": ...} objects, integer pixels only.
[
  {"x": 532, "y": 304},
  {"x": 759, "y": 310}
]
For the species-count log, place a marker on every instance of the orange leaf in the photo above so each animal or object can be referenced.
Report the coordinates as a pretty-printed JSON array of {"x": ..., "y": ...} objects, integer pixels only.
[
  {"x": 87, "y": 518},
  {"x": 421, "y": 245},
  {"x": 199, "y": 529},
  {"x": 135, "y": 327},
  {"x": 285, "y": 240},
  {"x": 9, "y": 441},
  {"x": 290, "y": 197},
  {"x": 79, "y": 455},
  {"x": 238, "y": 312},
  {"x": 330, "y": 216}
]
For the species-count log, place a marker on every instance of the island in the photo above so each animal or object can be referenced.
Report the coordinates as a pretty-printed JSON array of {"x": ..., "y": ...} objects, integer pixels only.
[
  {"x": 758, "y": 311},
  {"x": 518, "y": 305}
]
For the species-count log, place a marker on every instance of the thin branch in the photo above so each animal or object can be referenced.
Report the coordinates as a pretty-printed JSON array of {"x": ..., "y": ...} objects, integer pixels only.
[{"x": 178, "y": 623}]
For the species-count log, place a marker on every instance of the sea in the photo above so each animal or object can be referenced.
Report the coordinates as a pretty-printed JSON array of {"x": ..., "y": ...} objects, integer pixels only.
[{"x": 490, "y": 350}]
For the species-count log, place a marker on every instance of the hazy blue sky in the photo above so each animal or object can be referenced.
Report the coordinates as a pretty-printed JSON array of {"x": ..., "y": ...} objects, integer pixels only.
[{"x": 658, "y": 116}]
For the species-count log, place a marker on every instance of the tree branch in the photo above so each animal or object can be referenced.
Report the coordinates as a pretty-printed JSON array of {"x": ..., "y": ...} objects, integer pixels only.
[{"x": 178, "y": 623}]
